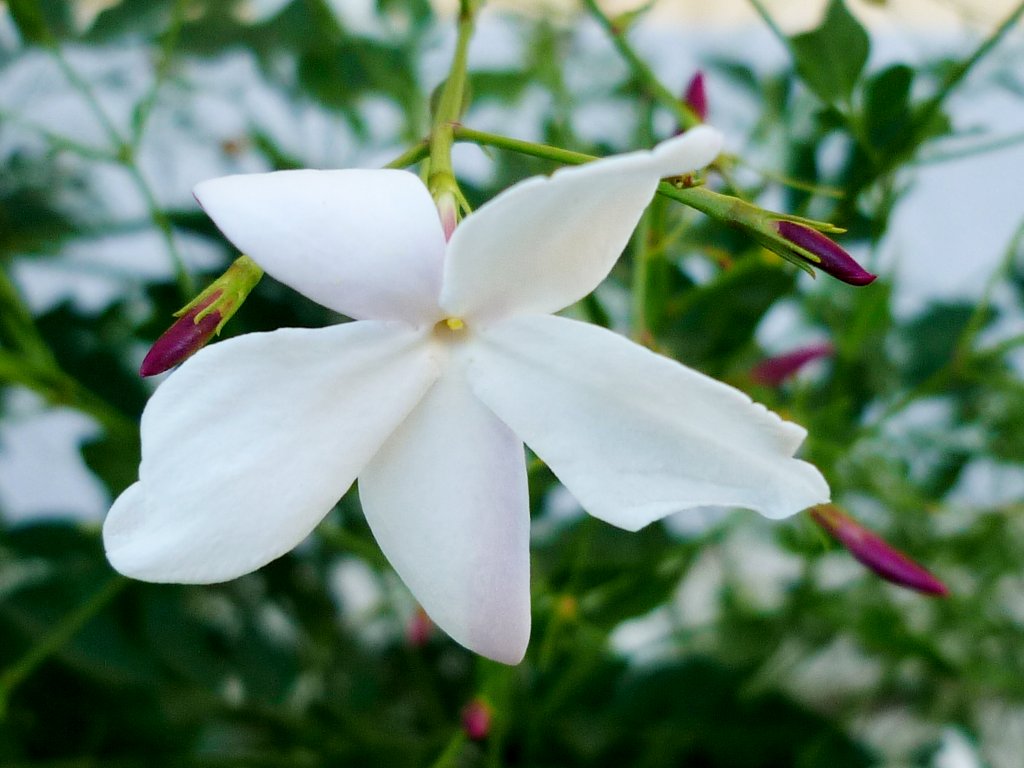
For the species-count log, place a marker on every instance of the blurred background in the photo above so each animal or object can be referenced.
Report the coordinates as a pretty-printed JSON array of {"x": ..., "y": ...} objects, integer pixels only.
[{"x": 714, "y": 639}]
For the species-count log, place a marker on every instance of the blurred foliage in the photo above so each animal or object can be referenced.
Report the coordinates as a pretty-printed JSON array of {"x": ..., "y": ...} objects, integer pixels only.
[{"x": 766, "y": 647}]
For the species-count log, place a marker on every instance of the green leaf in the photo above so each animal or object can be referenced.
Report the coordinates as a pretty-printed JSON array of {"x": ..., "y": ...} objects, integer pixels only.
[
  {"x": 830, "y": 58},
  {"x": 28, "y": 18},
  {"x": 713, "y": 322},
  {"x": 887, "y": 112}
]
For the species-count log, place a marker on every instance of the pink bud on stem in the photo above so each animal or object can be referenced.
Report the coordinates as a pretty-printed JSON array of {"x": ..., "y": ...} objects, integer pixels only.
[
  {"x": 476, "y": 719},
  {"x": 186, "y": 336},
  {"x": 875, "y": 553},
  {"x": 696, "y": 97},
  {"x": 822, "y": 252},
  {"x": 419, "y": 628},
  {"x": 772, "y": 371},
  {"x": 202, "y": 318}
]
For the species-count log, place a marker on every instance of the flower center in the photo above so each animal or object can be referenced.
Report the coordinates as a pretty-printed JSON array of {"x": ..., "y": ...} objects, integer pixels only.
[{"x": 451, "y": 330}]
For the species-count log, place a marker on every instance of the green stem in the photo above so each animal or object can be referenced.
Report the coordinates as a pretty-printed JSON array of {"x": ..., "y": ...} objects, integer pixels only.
[
  {"x": 704, "y": 200},
  {"x": 687, "y": 117},
  {"x": 641, "y": 275},
  {"x": 59, "y": 388},
  {"x": 441, "y": 178},
  {"x": 449, "y": 758},
  {"x": 544, "y": 151},
  {"x": 85, "y": 90},
  {"x": 957, "y": 74},
  {"x": 31, "y": 363},
  {"x": 162, "y": 223},
  {"x": 411, "y": 156},
  {"x": 58, "y": 637},
  {"x": 59, "y": 142},
  {"x": 18, "y": 325},
  {"x": 125, "y": 154},
  {"x": 981, "y": 148},
  {"x": 766, "y": 17},
  {"x": 163, "y": 68}
]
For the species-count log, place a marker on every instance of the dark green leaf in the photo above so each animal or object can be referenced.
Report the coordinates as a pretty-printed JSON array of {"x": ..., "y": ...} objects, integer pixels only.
[{"x": 830, "y": 58}]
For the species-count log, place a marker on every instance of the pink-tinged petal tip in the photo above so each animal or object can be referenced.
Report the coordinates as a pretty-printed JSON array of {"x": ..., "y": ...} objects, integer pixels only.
[
  {"x": 772, "y": 371},
  {"x": 696, "y": 97},
  {"x": 830, "y": 257},
  {"x": 186, "y": 336},
  {"x": 875, "y": 553}
]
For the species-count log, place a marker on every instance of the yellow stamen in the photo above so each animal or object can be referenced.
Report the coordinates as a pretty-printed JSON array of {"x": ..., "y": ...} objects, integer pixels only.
[{"x": 455, "y": 323}]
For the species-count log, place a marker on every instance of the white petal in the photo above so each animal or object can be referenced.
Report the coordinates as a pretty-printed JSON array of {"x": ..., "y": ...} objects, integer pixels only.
[
  {"x": 547, "y": 242},
  {"x": 447, "y": 500},
  {"x": 633, "y": 435},
  {"x": 366, "y": 243},
  {"x": 251, "y": 442}
]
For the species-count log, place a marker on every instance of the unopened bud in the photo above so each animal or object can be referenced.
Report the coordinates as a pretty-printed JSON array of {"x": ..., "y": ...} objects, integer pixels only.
[
  {"x": 875, "y": 553},
  {"x": 202, "y": 318},
  {"x": 476, "y": 719},
  {"x": 772, "y": 371},
  {"x": 696, "y": 97},
  {"x": 419, "y": 628},
  {"x": 822, "y": 252}
]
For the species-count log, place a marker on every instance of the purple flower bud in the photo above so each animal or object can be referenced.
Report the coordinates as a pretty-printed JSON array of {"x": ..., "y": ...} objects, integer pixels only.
[
  {"x": 203, "y": 317},
  {"x": 696, "y": 97},
  {"x": 184, "y": 338},
  {"x": 830, "y": 257},
  {"x": 476, "y": 719},
  {"x": 875, "y": 553},
  {"x": 772, "y": 371}
]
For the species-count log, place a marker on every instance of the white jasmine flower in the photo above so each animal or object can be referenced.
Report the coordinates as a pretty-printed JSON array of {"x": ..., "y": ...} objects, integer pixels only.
[{"x": 454, "y": 362}]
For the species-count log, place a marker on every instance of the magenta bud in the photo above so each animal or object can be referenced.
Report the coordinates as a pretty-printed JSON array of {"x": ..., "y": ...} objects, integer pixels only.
[
  {"x": 875, "y": 553},
  {"x": 772, "y": 371},
  {"x": 203, "y": 317},
  {"x": 476, "y": 719},
  {"x": 696, "y": 97},
  {"x": 827, "y": 255},
  {"x": 419, "y": 628},
  {"x": 184, "y": 338}
]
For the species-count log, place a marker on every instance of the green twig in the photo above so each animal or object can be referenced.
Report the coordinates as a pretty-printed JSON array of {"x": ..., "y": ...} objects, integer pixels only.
[
  {"x": 770, "y": 22},
  {"x": 957, "y": 74},
  {"x": 163, "y": 68},
  {"x": 58, "y": 637},
  {"x": 449, "y": 757},
  {"x": 411, "y": 156},
  {"x": 441, "y": 179},
  {"x": 687, "y": 117},
  {"x": 702, "y": 199},
  {"x": 981, "y": 148}
]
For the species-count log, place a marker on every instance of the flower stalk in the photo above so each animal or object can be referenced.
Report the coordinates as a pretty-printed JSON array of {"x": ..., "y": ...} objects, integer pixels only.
[
  {"x": 440, "y": 178},
  {"x": 616, "y": 30},
  {"x": 202, "y": 318},
  {"x": 762, "y": 225}
]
